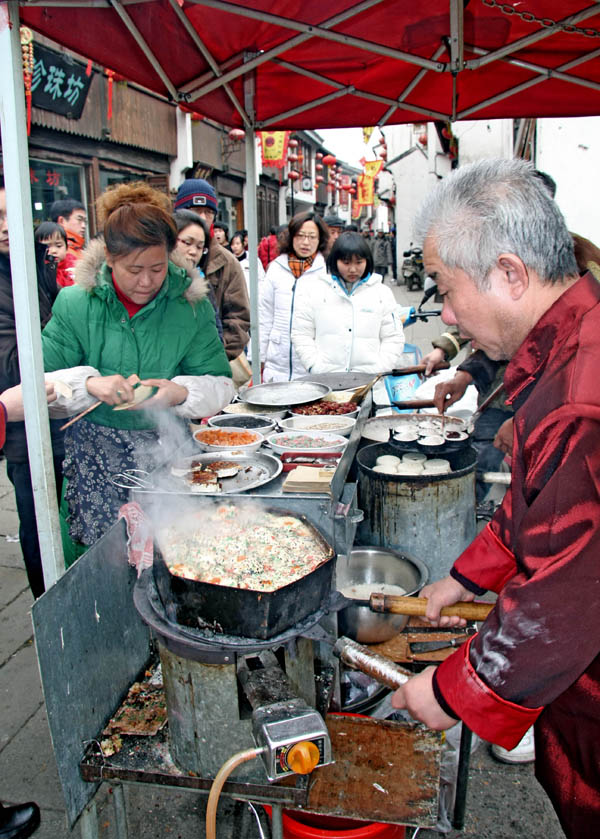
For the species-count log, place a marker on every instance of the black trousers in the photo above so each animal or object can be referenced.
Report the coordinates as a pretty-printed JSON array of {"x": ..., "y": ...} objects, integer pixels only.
[{"x": 20, "y": 477}]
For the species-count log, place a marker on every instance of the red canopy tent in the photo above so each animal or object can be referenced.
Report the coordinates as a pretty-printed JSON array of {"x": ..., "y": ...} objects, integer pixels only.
[
  {"x": 266, "y": 64},
  {"x": 383, "y": 61}
]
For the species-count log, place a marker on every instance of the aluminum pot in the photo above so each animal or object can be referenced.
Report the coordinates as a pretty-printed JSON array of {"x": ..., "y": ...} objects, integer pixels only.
[{"x": 376, "y": 565}]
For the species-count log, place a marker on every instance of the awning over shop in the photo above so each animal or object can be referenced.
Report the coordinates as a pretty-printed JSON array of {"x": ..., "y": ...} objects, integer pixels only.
[{"x": 335, "y": 63}]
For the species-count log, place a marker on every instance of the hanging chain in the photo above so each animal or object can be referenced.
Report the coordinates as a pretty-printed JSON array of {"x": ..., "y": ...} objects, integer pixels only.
[{"x": 546, "y": 22}]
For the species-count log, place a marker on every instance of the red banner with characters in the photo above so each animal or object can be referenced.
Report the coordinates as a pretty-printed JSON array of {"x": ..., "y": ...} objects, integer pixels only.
[
  {"x": 366, "y": 190},
  {"x": 274, "y": 146}
]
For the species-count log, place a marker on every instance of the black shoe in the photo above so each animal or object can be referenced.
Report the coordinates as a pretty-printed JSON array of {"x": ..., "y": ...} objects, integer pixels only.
[{"x": 20, "y": 821}]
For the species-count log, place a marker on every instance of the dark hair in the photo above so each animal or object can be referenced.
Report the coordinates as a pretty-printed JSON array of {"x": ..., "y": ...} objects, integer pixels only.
[
  {"x": 65, "y": 207},
  {"x": 136, "y": 216},
  {"x": 48, "y": 228},
  {"x": 294, "y": 226},
  {"x": 185, "y": 218},
  {"x": 345, "y": 247},
  {"x": 220, "y": 225},
  {"x": 548, "y": 182},
  {"x": 273, "y": 230},
  {"x": 239, "y": 234}
]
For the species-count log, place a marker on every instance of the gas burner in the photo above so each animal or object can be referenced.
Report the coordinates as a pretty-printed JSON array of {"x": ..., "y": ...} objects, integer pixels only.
[{"x": 205, "y": 645}]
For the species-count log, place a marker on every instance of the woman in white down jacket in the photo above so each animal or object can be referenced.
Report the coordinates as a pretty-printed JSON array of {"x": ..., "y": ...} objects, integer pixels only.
[
  {"x": 348, "y": 320},
  {"x": 300, "y": 264}
]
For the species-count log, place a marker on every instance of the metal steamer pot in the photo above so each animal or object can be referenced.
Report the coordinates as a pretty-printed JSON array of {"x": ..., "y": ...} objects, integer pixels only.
[
  {"x": 244, "y": 612},
  {"x": 428, "y": 516}
]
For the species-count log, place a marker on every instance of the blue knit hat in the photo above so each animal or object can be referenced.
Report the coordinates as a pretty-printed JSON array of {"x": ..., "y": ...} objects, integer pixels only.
[{"x": 196, "y": 192}]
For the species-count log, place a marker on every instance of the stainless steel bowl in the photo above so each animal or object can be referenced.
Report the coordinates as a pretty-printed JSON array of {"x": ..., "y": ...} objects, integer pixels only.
[{"x": 377, "y": 565}]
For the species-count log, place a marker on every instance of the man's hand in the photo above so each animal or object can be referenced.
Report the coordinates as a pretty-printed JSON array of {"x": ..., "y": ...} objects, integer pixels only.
[
  {"x": 417, "y": 697},
  {"x": 504, "y": 437},
  {"x": 12, "y": 399},
  {"x": 431, "y": 359},
  {"x": 447, "y": 393},
  {"x": 444, "y": 592},
  {"x": 114, "y": 390}
]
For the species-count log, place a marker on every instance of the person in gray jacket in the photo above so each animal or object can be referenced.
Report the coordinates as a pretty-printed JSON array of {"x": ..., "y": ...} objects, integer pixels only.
[{"x": 382, "y": 254}]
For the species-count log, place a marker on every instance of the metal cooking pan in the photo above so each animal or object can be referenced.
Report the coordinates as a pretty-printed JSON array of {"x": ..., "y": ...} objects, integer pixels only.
[{"x": 243, "y": 612}]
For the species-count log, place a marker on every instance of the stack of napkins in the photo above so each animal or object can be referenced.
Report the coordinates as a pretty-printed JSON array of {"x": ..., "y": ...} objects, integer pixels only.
[{"x": 308, "y": 479}]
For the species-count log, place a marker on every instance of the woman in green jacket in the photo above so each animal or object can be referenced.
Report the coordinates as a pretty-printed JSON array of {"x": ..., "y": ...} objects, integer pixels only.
[{"x": 132, "y": 317}]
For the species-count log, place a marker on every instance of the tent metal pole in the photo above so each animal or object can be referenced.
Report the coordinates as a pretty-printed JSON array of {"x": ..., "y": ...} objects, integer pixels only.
[
  {"x": 25, "y": 291},
  {"x": 521, "y": 43},
  {"x": 252, "y": 226},
  {"x": 322, "y": 100},
  {"x": 322, "y": 31},
  {"x": 363, "y": 94},
  {"x": 142, "y": 44},
  {"x": 205, "y": 52}
]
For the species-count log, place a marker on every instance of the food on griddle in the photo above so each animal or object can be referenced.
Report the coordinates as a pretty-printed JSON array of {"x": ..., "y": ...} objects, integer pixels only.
[
  {"x": 203, "y": 481},
  {"x": 324, "y": 406},
  {"x": 223, "y": 468},
  {"x": 261, "y": 551}
]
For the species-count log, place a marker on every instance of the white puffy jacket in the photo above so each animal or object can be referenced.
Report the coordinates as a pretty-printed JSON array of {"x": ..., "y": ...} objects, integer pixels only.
[
  {"x": 334, "y": 329},
  {"x": 276, "y": 305}
]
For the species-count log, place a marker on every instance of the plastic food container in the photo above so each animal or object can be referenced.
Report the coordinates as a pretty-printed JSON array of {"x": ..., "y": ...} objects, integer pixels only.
[
  {"x": 222, "y": 440},
  {"x": 306, "y": 441}
]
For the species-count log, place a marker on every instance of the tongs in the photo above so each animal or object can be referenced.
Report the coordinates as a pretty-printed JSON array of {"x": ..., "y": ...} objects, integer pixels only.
[{"x": 132, "y": 479}]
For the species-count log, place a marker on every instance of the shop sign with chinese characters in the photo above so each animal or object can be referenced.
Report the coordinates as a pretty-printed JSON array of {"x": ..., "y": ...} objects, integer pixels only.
[{"x": 59, "y": 84}]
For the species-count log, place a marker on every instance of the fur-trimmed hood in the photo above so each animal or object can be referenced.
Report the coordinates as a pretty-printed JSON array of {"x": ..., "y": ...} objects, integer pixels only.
[{"x": 93, "y": 257}]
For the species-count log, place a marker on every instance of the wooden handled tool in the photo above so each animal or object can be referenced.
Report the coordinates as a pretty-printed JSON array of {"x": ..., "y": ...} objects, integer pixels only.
[
  {"x": 361, "y": 392},
  {"x": 396, "y": 605},
  {"x": 414, "y": 404}
]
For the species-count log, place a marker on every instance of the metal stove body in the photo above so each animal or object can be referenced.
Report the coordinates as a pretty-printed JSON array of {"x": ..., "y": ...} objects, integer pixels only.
[{"x": 226, "y": 693}]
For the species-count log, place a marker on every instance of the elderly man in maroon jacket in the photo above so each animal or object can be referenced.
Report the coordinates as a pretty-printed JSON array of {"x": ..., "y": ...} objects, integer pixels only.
[{"x": 502, "y": 257}]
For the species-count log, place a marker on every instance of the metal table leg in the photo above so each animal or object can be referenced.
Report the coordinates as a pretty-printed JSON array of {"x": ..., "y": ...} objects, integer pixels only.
[
  {"x": 89, "y": 821},
  {"x": 462, "y": 778},
  {"x": 120, "y": 811},
  {"x": 277, "y": 822}
]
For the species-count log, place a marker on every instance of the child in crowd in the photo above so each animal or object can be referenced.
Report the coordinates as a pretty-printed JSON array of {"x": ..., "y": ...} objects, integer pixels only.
[{"x": 53, "y": 235}]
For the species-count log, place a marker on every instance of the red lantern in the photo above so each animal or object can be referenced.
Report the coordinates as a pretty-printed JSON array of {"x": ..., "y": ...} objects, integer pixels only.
[
  {"x": 329, "y": 160},
  {"x": 319, "y": 167},
  {"x": 352, "y": 190},
  {"x": 422, "y": 138},
  {"x": 237, "y": 135},
  {"x": 292, "y": 157},
  {"x": 293, "y": 143},
  {"x": 383, "y": 154},
  {"x": 293, "y": 175},
  {"x": 446, "y": 133},
  {"x": 346, "y": 187},
  {"x": 319, "y": 155},
  {"x": 319, "y": 179}
]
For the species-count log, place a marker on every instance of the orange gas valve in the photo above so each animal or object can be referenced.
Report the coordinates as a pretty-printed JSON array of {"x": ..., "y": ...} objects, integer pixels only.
[{"x": 303, "y": 757}]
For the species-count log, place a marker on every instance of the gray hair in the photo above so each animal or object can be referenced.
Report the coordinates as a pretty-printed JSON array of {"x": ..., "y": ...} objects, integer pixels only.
[{"x": 493, "y": 207}]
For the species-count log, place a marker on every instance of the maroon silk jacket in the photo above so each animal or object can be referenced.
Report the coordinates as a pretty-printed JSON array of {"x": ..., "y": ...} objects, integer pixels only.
[{"x": 537, "y": 656}]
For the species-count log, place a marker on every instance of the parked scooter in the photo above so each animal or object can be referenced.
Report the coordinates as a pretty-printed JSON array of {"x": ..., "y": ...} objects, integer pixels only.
[{"x": 413, "y": 271}]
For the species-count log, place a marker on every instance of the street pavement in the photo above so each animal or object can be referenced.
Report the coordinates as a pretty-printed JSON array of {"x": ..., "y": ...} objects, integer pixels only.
[{"x": 503, "y": 801}]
